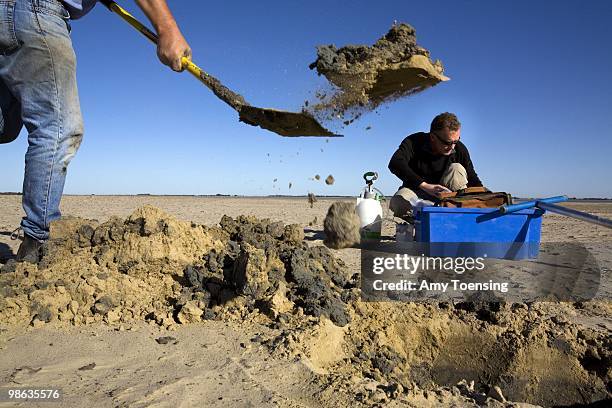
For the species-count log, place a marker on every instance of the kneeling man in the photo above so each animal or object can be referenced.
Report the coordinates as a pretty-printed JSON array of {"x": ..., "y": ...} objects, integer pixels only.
[{"x": 431, "y": 163}]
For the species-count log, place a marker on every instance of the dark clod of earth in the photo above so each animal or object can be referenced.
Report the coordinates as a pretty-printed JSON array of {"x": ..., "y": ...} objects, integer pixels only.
[
  {"x": 263, "y": 256},
  {"x": 312, "y": 198}
]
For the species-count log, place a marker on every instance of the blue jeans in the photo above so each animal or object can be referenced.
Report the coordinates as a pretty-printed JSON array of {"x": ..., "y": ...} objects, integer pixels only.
[{"x": 38, "y": 90}]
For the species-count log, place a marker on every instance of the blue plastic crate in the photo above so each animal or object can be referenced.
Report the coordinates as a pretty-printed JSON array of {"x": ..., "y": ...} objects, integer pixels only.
[{"x": 479, "y": 232}]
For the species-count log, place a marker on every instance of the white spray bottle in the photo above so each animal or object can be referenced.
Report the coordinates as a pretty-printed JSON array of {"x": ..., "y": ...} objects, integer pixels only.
[{"x": 369, "y": 209}]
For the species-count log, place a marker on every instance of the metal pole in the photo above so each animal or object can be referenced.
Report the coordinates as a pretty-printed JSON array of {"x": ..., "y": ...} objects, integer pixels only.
[
  {"x": 506, "y": 209},
  {"x": 579, "y": 215}
]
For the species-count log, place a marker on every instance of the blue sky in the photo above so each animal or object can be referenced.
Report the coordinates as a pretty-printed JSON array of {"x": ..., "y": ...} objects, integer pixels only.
[{"x": 530, "y": 81}]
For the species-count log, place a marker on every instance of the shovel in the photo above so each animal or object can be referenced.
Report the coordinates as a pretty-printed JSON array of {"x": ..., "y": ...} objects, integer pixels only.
[{"x": 277, "y": 121}]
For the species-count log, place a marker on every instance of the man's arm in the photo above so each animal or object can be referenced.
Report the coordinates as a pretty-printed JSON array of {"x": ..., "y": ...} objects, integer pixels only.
[
  {"x": 171, "y": 47},
  {"x": 466, "y": 161},
  {"x": 399, "y": 165}
]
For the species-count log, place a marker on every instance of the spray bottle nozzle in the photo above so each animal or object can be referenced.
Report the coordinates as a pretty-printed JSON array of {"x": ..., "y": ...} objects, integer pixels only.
[{"x": 369, "y": 177}]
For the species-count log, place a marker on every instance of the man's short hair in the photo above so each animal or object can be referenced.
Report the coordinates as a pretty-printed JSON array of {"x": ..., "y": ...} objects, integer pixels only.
[{"x": 445, "y": 120}]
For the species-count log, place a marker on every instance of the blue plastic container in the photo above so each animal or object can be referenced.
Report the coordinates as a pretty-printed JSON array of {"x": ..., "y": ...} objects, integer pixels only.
[{"x": 479, "y": 232}]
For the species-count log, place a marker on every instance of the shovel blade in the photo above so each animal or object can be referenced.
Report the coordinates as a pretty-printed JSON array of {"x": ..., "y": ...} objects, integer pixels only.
[{"x": 292, "y": 124}]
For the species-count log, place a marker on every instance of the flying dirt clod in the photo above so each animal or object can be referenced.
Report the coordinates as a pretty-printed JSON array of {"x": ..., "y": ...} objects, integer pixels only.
[{"x": 367, "y": 76}]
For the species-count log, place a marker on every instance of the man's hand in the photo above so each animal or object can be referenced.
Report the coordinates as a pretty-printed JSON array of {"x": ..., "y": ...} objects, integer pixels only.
[
  {"x": 171, "y": 46},
  {"x": 433, "y": 189}
]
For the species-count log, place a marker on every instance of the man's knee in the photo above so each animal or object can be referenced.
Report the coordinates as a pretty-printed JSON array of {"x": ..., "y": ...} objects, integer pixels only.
[
  {"x": 399, "y": 206},
  {"x": 400, "y": 202},
  {"x": 455, "y": 177},
  {"x": 71, "y": 146}
]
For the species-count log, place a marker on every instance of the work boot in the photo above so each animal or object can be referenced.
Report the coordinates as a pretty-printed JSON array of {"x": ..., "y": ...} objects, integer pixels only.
[
  {"x": 30, "y": 250},
  {"x": 408, "y": 217}
]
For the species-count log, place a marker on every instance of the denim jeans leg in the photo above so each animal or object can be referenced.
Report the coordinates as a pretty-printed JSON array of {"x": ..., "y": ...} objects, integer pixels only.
[{"x": 41, "y": 74}]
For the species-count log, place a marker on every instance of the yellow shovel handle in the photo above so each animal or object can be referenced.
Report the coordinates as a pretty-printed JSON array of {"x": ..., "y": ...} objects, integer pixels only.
[
  {"x": 228, "y": 96},
  {"x": 196, "y": 71},
  {"x": 130, "y": 19}
]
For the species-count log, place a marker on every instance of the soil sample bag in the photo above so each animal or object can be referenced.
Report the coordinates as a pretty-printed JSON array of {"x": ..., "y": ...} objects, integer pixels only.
[{"x": 475, "y": 197}]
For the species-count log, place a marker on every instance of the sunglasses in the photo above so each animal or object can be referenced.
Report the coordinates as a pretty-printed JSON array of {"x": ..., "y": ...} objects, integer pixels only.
[{"x": 446, "y": 142}]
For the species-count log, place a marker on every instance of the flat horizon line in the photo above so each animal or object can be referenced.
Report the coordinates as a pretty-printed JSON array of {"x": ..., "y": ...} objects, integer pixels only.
[{"x": 10, "y": 193}]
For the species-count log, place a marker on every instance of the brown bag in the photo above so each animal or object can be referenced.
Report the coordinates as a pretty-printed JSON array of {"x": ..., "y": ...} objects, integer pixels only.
[{"x": 474, "y": 197}]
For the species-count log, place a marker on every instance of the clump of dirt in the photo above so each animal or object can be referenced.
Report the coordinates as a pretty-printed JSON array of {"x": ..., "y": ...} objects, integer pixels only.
[
  {"x": 314, "y": 222},
  {"x": 367, "y": 76},
  {"x": 274, "y": 262},
  {"x": 153, "y": 267},
  {"x": 341, "y": 226},
  {"x": 329, "y": 180},
  {"x": 119, "y": 271},
  {"x": 312, "y": 198}
]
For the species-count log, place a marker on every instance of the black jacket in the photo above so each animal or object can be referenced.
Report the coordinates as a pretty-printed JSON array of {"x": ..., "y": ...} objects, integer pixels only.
[{"x": 414, "y": 163}]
